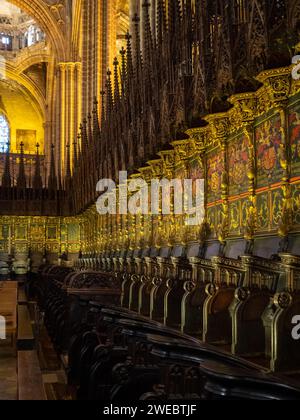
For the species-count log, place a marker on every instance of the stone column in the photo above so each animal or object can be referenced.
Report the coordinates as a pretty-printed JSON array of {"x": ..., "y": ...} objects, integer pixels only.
[
  {"x": 57, "y": 118},
  {"x": 77, "y": 99},
  {"x": 69, "y": 80},
  {"x": 62, "y": 116},
  {"x": 15, "y": 42},
  {"x": 47, "y": 149}
]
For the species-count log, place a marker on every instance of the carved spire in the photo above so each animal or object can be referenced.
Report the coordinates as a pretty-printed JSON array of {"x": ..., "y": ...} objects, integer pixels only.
[
  {"x": 90, "y": 132},
  {"x": 37, "y": 180},
  {"x": 161, "y": 22},
  {"x": 123, "y": 71},
  {"x": 137, "y": 40},
  {"x": 192, "y": 65},
  {"x": 75, "y": 152},
  {"x": 129, "y": 57},
  {"x": 52, "y": 180},
  {"x": 96, "y": 127},
  {"x": 21, "y": 180},
  {"x": 109, "y": 97},
  {"x": 147, "y": 28},
  {"x": 68, "y": 166},
  {"x": 91, "y": 152},
  {"x": 102, "y": 93},
  {"x": 84, "y": 137},
  {"x": 116, "y": 81},
  {"x": 96, "y": 134}
]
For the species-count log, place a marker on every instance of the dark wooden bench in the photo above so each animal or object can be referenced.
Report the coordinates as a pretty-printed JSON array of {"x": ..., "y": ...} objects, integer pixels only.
[
  {"x": 140, "y": 356},
  {"x": 116, "y": 354},
  {"x": 25, "y": 337}
]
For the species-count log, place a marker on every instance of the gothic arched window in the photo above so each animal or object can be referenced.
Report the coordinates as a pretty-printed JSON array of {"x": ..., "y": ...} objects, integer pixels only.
[{"x": 4, "y": 134}]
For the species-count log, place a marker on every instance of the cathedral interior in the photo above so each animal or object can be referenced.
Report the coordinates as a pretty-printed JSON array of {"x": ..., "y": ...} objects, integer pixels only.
[{"x": 142, "y": 306}]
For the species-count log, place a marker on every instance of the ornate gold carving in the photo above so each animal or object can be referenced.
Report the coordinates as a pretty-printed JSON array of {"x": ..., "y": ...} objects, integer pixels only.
[
  {"x": 286, "y": 219},
  {"x": 239, "y": 120},
  {"x": 183, "y": 150},
  {"x": 198, "y": 138},
  {"x": 211, "y": 289},
  {"x": 283, "y": 300},
  {"x": 244, "y": 111},
  {"x": 277, "y": 84},
  {"x": 242, "y": 294}
]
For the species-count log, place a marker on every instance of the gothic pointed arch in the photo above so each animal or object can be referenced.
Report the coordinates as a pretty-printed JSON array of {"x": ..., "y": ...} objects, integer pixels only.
[{"x": 50, "y": 16}]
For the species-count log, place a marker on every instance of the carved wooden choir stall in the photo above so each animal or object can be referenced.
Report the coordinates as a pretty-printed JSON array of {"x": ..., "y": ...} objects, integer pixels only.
[{"x": 154, "y": 308}]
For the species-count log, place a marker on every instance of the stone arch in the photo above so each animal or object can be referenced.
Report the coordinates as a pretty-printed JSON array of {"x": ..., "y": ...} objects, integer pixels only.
[
  {"x": 48, "y": 16},
  {"x": 31, "y": 89},
  {"x": 37, "y": 57}
]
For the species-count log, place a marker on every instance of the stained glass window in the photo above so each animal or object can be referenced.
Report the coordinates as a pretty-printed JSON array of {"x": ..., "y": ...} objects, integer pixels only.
[{"x": 4, "y": 134}]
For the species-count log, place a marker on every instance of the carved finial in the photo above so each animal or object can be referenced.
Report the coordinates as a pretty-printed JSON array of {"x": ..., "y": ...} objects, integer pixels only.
[
  {"x": 21, "y": 181},
  {"x": 37, "y": 181},
  {"x": 52, "y": 180},
  {"x": 123, "y": 70},
  {"x": 109, "y": 92},
  {"x": 116, "y": 79}
]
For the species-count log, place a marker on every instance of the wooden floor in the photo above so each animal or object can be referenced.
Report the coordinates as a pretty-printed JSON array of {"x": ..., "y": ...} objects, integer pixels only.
[
  {"x": 30, "y": 379},
  {"x": 8, "y": 373},
  {"x": 31, "y": 370}
]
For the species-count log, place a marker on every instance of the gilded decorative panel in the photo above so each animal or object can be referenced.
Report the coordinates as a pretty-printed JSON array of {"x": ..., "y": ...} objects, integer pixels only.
[
  {"x": 215, "y": 170},
  {"x": 211, "y": 218},
  {"x": 268, "y": 140},
  {"x": 52, "y": 248},
  {"x": 263, "y": 212},
  {"x": 37, "y": 247},
  {"x": 37, "y": 232},
  {"x": 235, "y": 217},
  {"x": 52, "y": 233},
  {"x": 4, "y": 232},
  {"x": 238, "y": 160},
  {"x": 296, "y": 204},
  {"x": 245, "y": 205},
  {"x": 64, "y": 232},
  {"x": 246, "y": 167},
  {"x": 277, "y": 200},
  {"x": 21, "y": 248},
  {"x": 73, "y": 233},
  {"x": 21, "y": 232},
  {"x": 294, "y": 127},
  {"x": 195, "y": 171},
  {"x": 180, "y": 171}
]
